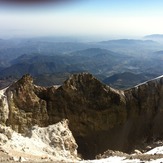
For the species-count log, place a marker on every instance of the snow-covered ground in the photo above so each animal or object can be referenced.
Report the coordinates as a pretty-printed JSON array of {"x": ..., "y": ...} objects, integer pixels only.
[
  {"x": 54, "y": 142},
  {"x": 114, "y": 159},
  {"x": 121, "y": 160},
  {"x": 117, "y": 159},
  {"x": 154, "y": 155},
  {"x": 157, "y": 150}
]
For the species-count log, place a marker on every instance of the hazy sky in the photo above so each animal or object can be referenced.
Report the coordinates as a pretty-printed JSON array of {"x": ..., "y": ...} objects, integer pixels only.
[{"x": 103, "y": 18}]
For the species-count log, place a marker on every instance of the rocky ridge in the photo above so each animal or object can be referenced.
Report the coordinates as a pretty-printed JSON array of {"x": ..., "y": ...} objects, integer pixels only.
[{"x": 100, "y": 117}]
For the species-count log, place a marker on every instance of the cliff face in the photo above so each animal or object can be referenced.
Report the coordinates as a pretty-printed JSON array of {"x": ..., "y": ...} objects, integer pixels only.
[
  {"x": 144, "y": 104},
  {"x": 4, "y": 109},
  {"x": 100, "y": 117},
  {"x": 92, "y": 109},
  {"x": 84, "y": 100},
  {"x": 25, "y": 108}
]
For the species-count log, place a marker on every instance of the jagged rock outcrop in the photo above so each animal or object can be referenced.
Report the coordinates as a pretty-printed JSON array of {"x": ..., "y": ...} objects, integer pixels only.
[
  {"x": 25, "y": 107},
  {"x": 100, "y": 117},
  {"x": 92, "y": 109},
  {"x": 4, "y": 109},
  {"x": 82, "y": 99},
  {"x": 144, "y": 104},
  {"x": 5, "y": 134}
]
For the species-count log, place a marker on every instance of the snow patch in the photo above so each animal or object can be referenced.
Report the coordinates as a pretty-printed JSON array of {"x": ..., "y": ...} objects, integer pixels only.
[
  {"x": 157, "y": 150},
  {"x": 114, "y": 159},
  {"x": 146, "y": 82},
  {"x": 54, "y": 142}
]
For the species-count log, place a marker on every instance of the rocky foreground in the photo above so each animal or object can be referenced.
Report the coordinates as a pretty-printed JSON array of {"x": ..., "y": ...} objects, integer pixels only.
[
  {"x": 52, "y": 143},
  {"x": 56, "y": 144},
  {"x": 100, "y": 117}
]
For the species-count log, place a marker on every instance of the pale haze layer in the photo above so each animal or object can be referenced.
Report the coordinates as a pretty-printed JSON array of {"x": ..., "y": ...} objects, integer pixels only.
[{"x": 94, "y": 18}]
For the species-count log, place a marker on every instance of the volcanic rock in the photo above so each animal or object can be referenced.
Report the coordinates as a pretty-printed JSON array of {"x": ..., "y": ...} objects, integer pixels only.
[
  {"x": 100, "y": 117},
  {"x": 25, "y": 108}
]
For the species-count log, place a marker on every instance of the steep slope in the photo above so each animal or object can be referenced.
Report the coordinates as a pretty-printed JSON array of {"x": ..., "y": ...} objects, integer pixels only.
[
  {"x": 144, "y": 106},
  {"x": 52, "y": 143},
  {"x": 92, "y": 108},
  {"x": 25, "y": 108},
  {"x": 100, "y": 117}
]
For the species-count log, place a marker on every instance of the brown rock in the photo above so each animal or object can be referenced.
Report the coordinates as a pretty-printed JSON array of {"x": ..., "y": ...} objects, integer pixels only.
[
  {"x": 25, "y": 108},
  {"x": 100, "y": 117}
]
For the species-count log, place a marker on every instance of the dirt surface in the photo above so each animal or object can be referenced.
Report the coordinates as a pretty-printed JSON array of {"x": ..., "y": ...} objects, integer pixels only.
[{"x": 5, "y": 158}]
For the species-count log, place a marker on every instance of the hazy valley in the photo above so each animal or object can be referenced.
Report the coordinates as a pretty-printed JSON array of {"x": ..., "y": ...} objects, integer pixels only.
[{"x": 120, "y": 63}]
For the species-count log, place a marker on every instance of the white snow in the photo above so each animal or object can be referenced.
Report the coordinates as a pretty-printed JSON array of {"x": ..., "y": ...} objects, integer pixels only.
[
  {"x": 114, "y": 159},
  {"x": 158, "y": 77},
  {"x": 54, "y": 142},
  {"x": 49, "y": 143},
  {"x": 117, "y": 159},
  {"x": 156, "y": 161},
  {"x": 157, "y": 150},
  {"x": 155, "y": 79}
]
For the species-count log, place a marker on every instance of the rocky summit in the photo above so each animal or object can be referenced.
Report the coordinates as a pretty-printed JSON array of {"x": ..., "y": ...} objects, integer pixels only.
[{"x": 100, "y": 117}]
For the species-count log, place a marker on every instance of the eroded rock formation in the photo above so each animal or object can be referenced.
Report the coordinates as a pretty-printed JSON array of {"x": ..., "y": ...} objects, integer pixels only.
[
  {"x": 100, "y": 117},
  {"x": 52, "y": 143},
  {"x": 25, "y": 107}
]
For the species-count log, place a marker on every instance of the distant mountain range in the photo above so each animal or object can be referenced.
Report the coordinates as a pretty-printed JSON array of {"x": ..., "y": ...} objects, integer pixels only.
[
  {"x": 46, "y": 58},
  {"x": 95, "y": 60},
  {"x": 127, "y": 79},
  {"x": 154, "y": 36},
  {"x": 129, "y": 42}
]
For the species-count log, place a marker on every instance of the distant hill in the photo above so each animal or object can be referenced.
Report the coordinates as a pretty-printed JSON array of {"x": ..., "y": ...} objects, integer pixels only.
[
  {"x": 159, "y": 52},
  {"x": 154, "y": 36},
  {"x": 1, "y": 68},
  {"x": 13, "y": 48},
  {"x": 94, "y": 60},
  {"x": 127, "y": 79},
  {"x": 129, "y": 42},
  {"x": 35, "y": 69},
  {"x": 51, "y": 79},
  {"x": 157, "y": 57},
  {"x": 90, "y": 52},
  {"x": 131, "y": 47},
  {"x": 46, "y": 58}
]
